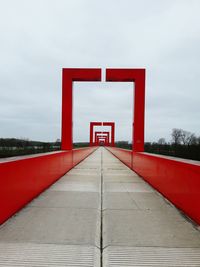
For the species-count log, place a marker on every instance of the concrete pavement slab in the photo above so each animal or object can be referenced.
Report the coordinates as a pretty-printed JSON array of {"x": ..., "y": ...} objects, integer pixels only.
[
  {"x": 118, "y": 201},
  {"x": 53, "y": 225},
  {"x": 122, "y": 178},
  {"x": 148, "y": 228},
  {"x": 127, "y": 187},
  {"x": 80, "y": 178},
  {"x": 151, "y": 257},
  {"x": 61, "y": 199},
  {"x": 150, "y": 200},
  {"x": 29, "y": 255},
  {"x": 76, "y": 186},
  {"x": 84, "y": 171}
]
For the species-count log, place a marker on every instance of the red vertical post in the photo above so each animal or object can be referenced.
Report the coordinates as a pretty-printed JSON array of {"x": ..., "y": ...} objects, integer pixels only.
[
  {"x": 106, "y": 140},
  {"x": 68, "y": 77},
  {"x": 91, "y": 133},
  {"x": 108, "y": 143},
  {"x": 139, "y": 109},
  {"x": 92, "y": 124},
  {"x": 113, "y": 134},
  {"x": 67, "y": 113},
  {"x": 137, "y": 76},
  {"x": 112, "y": 124}
]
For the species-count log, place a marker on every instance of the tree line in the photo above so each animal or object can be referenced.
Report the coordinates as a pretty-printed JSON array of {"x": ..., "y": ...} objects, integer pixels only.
[
  {"x": 10, "y": 147},
  {"x": 183, "y": 144}
]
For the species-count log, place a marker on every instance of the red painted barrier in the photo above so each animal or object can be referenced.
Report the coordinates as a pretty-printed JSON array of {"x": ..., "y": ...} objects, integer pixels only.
[
  {"x": 124, "y": 155},
  {"x": 177, "y": 179},
  {"x": 80, "y": 154},
  {"x": 23, "y": 178}
]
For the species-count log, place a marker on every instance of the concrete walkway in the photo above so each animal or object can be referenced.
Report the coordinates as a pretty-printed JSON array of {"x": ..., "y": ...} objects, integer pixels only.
[{"x": 99, "y": 214}]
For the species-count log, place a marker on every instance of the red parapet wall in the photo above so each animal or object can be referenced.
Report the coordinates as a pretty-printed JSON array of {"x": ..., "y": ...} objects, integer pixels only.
[
  {"x": 23, "y": 178},
  {"x": 124, "y": 155},
  {"x": 176, "y": 179}
]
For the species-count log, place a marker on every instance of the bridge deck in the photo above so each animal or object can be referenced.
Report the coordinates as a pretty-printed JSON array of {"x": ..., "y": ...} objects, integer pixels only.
[{"x": 99, "y": 214}]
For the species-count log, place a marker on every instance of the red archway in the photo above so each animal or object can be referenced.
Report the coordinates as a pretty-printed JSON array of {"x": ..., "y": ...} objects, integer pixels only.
[
  {"x": 95, "y": 123},
  {"x": 107, "y": 134},
  {"x": 137, "y": 76}
]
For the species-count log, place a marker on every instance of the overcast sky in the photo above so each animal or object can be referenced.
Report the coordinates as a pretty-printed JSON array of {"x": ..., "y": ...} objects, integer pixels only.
[{"x": 40, "y": 37}]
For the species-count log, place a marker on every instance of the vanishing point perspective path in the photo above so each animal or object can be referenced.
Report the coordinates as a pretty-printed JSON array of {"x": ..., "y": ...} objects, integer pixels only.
[{"x": 100, "y": 213}]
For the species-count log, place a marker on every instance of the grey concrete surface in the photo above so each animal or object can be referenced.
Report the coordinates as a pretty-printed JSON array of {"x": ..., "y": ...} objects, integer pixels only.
[
  {"x": 110, "y": 178},
  {"x": 127, "y": 187},
  {"x": 164, "y": 228},
  {"x": 141, "y": 228},
  {"x": 116, "y": 256},
  {"x": 59, "y": 199},
  {"x": 35, "y": 255},
  {"x": 99, "y": 208},
  {"x": 54, "y": 226}
]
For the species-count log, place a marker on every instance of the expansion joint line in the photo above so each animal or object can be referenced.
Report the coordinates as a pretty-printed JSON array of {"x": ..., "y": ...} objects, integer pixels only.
[{"x": 101, "y": 211}]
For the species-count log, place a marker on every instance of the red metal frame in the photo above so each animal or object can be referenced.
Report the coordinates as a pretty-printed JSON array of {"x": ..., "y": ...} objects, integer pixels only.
[
  {"x": 93, "y": 124},
  {"x": 112, "y": 125},
  {"x": 102, "y": 138},
  {"x": 115, "y": 75},
  {"x": 138, "y": 77},
  {"x": 103, "y": 134},
  {"x": 68, "y": 77}
]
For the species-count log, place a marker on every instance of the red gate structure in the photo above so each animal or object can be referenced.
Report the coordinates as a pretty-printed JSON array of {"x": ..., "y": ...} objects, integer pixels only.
[
  {"x": 93, "y": 124},
  {"x": 137, "y": 76},
  {"x": 23, "y": 178},
  {"x": 103, "y": 134},
  {"x": 70, "y": 76},
  {"x": 102, "y": 138}
]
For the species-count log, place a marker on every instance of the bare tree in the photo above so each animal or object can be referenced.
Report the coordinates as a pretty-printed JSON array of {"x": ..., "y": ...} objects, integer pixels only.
[
  {"x": 176, "y": 136},
  {"x": 187, "y": 138},
  {"x": 194, "y": 140}
]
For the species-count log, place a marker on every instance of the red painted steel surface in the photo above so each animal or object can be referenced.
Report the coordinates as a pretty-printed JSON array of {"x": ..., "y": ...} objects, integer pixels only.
[
  {"x": 68, "y": 77},
  {"x": 177, "y": 179},
  {"x": 138, "y": 77},
  {"x": 123, "y": 154},
  {"x": 24, "y": 178},
  {"x": 81, "y": 153}
]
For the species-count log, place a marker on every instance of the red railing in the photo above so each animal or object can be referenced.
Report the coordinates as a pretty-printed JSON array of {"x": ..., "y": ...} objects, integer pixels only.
[
  {"x": 176, "y": 179},
  {"x": 23, "y": 178}
]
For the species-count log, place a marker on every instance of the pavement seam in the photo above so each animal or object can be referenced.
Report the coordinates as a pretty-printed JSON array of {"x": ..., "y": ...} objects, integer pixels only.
[{"x": 101, "y": 213}]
